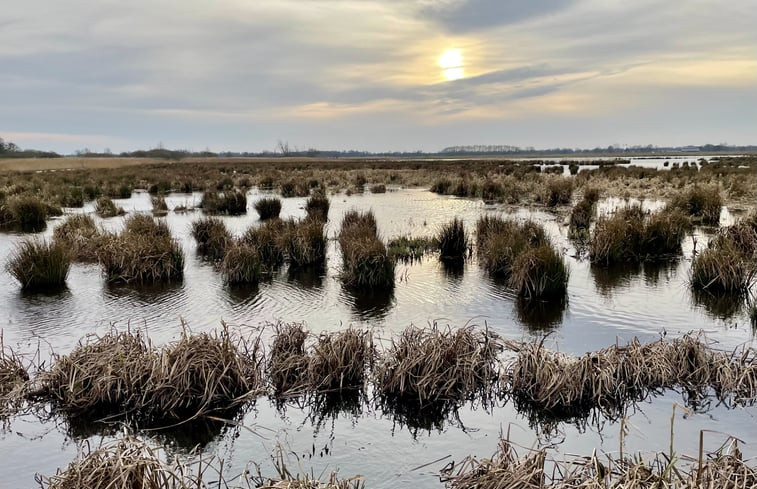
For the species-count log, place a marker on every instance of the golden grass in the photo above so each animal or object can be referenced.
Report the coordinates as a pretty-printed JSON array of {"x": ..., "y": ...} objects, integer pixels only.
[
  {"x": 81, "y": 236},
  {"x": 13, "y": 377}
]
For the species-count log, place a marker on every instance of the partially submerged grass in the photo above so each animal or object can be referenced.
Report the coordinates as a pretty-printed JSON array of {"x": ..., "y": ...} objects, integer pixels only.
[
  {"x": 232, "y": 203},
  {"x": 105, "y": 207},
  {"x": 410, "y": 249},
  {"x": 268, "y": 208},
  {"x": 559, "y": 191},
  {"x": 241, "y": 265},
  {"x": 500, "y": 241},
  {"x": 580, "y": 219},
  {"x": 212, "y": 236},
  {"x": 81, "y": 236},
  {"x": 432, "y": 365},
  {"x": 27, "y": 212},
  {"x": 121, "y": 374},
  {"x": 269, "y": 239},
  {"x": 159, "y": 206},
  {"x": 39, "y": 264},
  {"x": 305, "y": 242},
  {"x": 632, "y": 235},
  {"x": 539, "y": 272},
  {"x": 143, "y": 252},
  {"x": 728, "y": 264},
  {"x": 366, "y": 262},
  {"x": 288, "y": 363},
  {"x": 702, "y": 203},
  {"x": 339, "y": 361},
  {"x": 453, "y": 241},
  {"x": 317, "y": 206}
]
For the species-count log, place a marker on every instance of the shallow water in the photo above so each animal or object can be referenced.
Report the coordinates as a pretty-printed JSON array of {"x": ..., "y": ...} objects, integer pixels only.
[{"x": 604, "y": 306}]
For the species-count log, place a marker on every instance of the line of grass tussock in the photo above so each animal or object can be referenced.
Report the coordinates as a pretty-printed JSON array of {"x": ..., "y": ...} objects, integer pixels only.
[
  {"x": 521, "y": 253},
  {"x": 39, "y": 264},
  {"x": 81, "y": 236},
  {"x": 366, "y": 264},
  {"x": 212, "y": 237},
  {"x": 268, "y": 208},
  {"x": 507, "y": 470},
  {"x": 121, "y": 373},
  {"x": 610, "y": 379},
  {"x": 633, "y": 235},
  {"x": 431, "y": 365},
  {"x": 143, "y": 252},
  {"x": 331, "y": 363},
  {"x": 729, "y": 263}
]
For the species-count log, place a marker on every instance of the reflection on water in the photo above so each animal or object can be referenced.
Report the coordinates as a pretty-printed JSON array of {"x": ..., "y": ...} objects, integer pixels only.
[
  {"x": 141, "y": 294},
  {"x": 607, "y": 279},
  {"x": 719, "y": 305},
  {"x": 242, "y": 294},
  {"x": 369, "y": 304},
  {"x": 453, "y": 270},
  {"x": 541, "y": 316},
  {"x": 309, "y": 277}
]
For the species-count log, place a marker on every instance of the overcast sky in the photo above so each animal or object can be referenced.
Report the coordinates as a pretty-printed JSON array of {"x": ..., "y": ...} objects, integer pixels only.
[{"x": 365, "y": 74}]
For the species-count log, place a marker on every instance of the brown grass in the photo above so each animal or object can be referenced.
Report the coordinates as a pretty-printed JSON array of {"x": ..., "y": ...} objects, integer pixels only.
[
  {"x": 288, "y": 363},
  {"x": 81, "y": 236},
  {"x": 13, "y": 377}
]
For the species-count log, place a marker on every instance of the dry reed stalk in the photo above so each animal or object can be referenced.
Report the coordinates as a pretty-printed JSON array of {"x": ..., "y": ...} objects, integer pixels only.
[{"x": 431, "y": 365}]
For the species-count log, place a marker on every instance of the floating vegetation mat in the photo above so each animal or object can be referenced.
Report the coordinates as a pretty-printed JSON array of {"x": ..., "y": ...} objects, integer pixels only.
[{"x": 507, "y": 470}]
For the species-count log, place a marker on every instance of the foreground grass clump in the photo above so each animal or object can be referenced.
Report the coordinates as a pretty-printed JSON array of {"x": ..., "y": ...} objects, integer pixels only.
[
  {"x": 232, "y": 203},
  {"x": 80, "y": 235},
  {"x": 39, "y": 264},
  {"x": 702, "y": 203},
  {"x": 539, "y": 272},
  {"x": 410, "y": 249},
  {"x": 453, "y": 241},
  {"x": 632, "y": 235},
  {"x": 317, "y": 206},
  {"x": 268, "y": 208},
  {"x": 288, "y": 363},
  {"x": 212, "y": 236},
  {"x": 339, "y": 361},
  {"x": 728, "y": 265},
  {"x": 13, "y": 376},
  {"x": 122, "y": 374},
  {"x": 365, "y": 260},
  {"x": 105, "y": 207},
  {"x": 241, "y": 265},
  {"x": 426, "y": 366},
  {"x": 143, "y": 252}
]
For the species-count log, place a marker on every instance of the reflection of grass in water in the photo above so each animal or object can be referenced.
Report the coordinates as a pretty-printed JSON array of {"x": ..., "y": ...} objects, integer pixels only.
[
  {"x": 606, "y": 279},
  {"x": 308, "y": 277},
  {"x": 719, "y": 305},
  {"x": 540, "y": 315},
  {"x": 369, "y": 304}
]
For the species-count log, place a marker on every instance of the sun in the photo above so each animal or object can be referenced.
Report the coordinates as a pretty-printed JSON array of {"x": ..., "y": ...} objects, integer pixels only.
[{"x": 451, "y": 63}]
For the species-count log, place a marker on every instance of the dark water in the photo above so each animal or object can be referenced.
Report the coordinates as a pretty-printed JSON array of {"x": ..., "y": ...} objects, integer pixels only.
[{"x": 604, "y": 306}]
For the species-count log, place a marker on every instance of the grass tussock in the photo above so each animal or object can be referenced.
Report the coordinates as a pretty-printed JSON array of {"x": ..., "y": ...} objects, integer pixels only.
[
  {"x": 453, "y": 241},
  {"x": 231, "y": 203},
  {"x": 105, "y": 207},
  {"x": 305, "y": 242},
  {"x": 127, "y": 463},
  {"x": 27, "y": 212},
  {"x": 241, "y": 265},
  {"x": 268, "y": 208},
  {"x": 507, "y": 470},
  {"x": 288, "y": 363},
  {"x": 366, "y": 264},
  {"x": 13, "y": 377},
  {"x": 159, "y": 206},
  {"x": 539, "y": 272},
  {"x": 40, "y": 264},
  {"x": 432, "y": 365},
  {"x": 378, "y": 188},
  {"x": 582, "y": 215},
  {"x": 81, "y": 236},
  {"x": 702, "y": 203},
  {"x": 728, "y": 264},
  {"x": 122, "y": 374},
  {"x": 559, "y": 191},
  {"x": 500, "y": 241},
  {"x": 317, "y": 206},
  {"x": 410, "y": 249},
  {"x": 339, "y": 361},
  {"x": 269, "y": 241},
  {"x": 212, "y": 237},
  {"x": 143, "y": 252},
  {"x": 632, "y": 235},
  {"x": 611, "y": 378}
]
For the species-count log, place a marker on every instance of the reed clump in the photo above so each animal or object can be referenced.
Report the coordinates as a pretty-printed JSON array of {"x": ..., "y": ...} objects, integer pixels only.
[
  {"x": 500, "y": 241},
  {"x": 700, "y": 202},
  {"x": 105, "y": 207},
  {"x": 269, "y": 239},
  {"x": 143, "y": 252},
  {"x": 453, "y": 241},
  {"x": 729, "y": 263},
  {"x": 121, "y": 373},
  {"x": 81, "y": 236},
  {"x": 632, "y": 235},
  {"x": 317, "y": 206},
  {"x": 366, "y": 264},
  {"x": 127, "y": 463},
  {"x": 539, "y": 272},
  {"x": 559, "y": 191},
  {"x": 288, "y": 362},
  {"x": 27, "y": 212},
  {"x": 232, "y": 203},
  {"x": 305, "y": 242},
  {"x": 268, "y": 208},
  {"x": 241, "y": 265},
  {"x": 159, "y": 206},
  {"x": 212, "y": 236},
  {"x": 432, "y": 365},
  {"x": 13, "y": 377},
  {"x": 582, "y": 214},
  {"x": 39, "y": 264},
  {"x": 339, "y": 361}
]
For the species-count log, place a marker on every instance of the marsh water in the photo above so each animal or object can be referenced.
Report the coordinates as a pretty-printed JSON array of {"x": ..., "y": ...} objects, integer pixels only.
[{"x": 603, "y": 307}]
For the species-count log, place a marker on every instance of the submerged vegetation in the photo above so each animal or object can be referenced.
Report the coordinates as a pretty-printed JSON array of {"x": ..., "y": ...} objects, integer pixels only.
[{"x": 408, "y": 249}]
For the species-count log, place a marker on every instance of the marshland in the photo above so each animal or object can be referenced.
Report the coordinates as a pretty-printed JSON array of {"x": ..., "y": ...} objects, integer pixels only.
[{"x": 380, "y": 319}]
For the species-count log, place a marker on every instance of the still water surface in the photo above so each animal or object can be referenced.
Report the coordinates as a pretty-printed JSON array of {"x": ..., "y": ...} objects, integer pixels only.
[{"x": 603, "y": 307}]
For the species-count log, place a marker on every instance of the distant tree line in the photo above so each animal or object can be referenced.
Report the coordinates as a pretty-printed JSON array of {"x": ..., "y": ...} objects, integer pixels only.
[
  {"x": 9, "y": 149},
  {"x": 612, "y": 149}
]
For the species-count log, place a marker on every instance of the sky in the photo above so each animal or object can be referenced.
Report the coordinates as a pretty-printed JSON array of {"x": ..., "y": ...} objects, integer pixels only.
[{"x": 376, "y": 75}]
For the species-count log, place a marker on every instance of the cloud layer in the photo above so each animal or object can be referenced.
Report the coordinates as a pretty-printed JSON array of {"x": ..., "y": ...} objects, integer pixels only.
[{"x": 362, "y": 74}]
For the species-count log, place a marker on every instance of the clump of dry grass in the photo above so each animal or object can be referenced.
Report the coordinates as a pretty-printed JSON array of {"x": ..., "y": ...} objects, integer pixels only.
[
  {"x": 127, "y": 463},
  {"x": 317, "y": 206},
  {"x": 288, "y": 363},
  {"x": 28, "y": 212},
  {"x": 122, "y": 374},
  {"x": 39, "y": 264},
  {"x": 702, "y": 203},
  {"x": 426, "y": 366},
  {"x": 81, "y": 236},
  {"x": 339, "y": 361},
  {"x": 268, "y": 208},
  {"x": 305, "y": 242},
  {"x": 539, "y": 272},
  {"x": 105, "y": 207},
  {"x": 232, "y": 203},
  {"x": 559, "y": 191},
  {"x": 729, "y": 264},
  {"x": 13, "y": 377},
  {"x": 500, "y": 241},
  {"x": 212, "y": 236},
  {"x": 159, "y": 206},
  {"x": 269, "y": 240},
  {"x": 453, "y": 241},
  {"x": 241, "y": 265},
  {"x": 143, "y": 253},
  {"x": 366, "y": 262}
]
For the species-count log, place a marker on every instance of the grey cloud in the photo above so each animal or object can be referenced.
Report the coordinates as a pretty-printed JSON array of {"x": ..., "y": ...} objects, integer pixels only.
[{"x": 472, "y": 15}]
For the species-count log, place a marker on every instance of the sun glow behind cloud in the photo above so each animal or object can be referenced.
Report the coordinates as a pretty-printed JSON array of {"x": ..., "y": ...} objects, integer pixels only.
[{"x": 451, "y": 63}]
